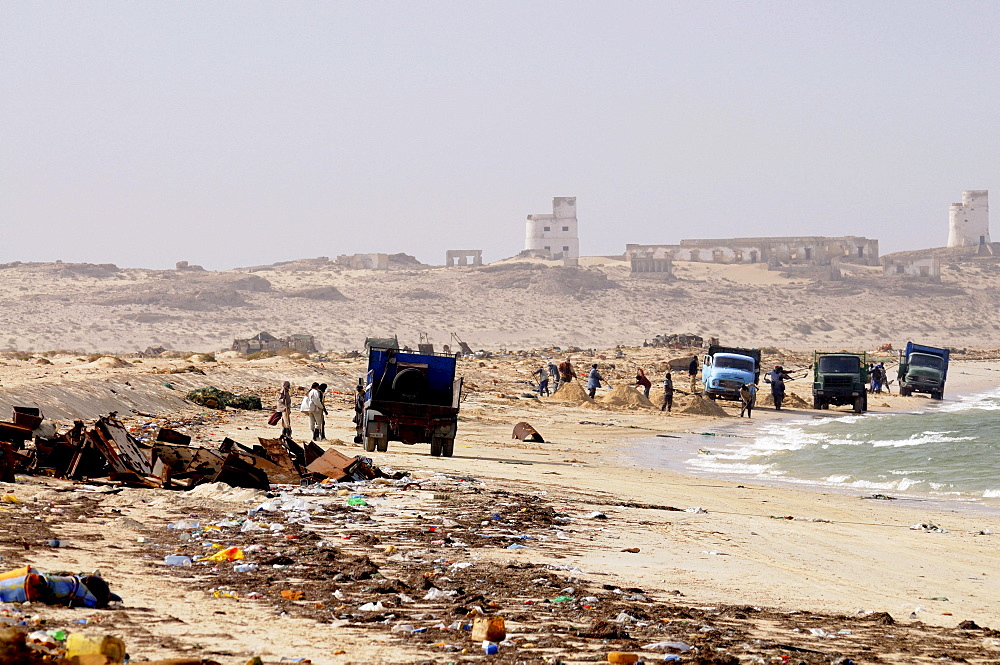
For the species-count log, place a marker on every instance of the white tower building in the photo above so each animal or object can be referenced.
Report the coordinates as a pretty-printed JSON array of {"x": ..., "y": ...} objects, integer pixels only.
[
  {"x": 969, "y": 221},
  {"x": 555, "y": 233}
]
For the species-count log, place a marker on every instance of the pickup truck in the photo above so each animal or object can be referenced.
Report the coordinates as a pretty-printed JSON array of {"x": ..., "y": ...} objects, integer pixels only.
[
  {"x": 923, "y": 369},
  {"x": 840, "y": 378},
  {"x": 408, "y": 397},
  {"x": 727, "y": 369}
]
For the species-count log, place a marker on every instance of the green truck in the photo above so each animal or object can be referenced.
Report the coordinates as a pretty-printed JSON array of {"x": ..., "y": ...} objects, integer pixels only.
[{"x": 839, "y": 379}]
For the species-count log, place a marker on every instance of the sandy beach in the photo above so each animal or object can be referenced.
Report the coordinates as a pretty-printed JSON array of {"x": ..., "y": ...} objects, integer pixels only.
[{"x": 769, "y": 562}]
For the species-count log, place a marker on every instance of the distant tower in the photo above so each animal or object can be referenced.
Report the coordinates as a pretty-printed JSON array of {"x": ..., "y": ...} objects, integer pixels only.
[
  {"x": 969, "y": 221},
  {"x": 555, "y": 233}
]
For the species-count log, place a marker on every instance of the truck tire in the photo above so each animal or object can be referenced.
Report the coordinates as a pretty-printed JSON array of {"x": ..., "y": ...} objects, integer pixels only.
[
  {"x": 937, "y": 394},
  {"x": 817, "y": 403},
  {"x": 448, "y": 447},
  {"x": 382, "y": 445},
  {"x": 410, "y": 384},
  {"x": 864, "y": 404},
  {"x": 859, "y": 404},
  {"x": 436, "y": 446},
  {"x": 905, "y": 392},
  {"x": 370, "y": 443}
]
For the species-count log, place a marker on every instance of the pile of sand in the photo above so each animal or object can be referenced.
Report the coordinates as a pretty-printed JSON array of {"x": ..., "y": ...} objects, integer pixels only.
[
  {"x": 110, "y": 362},
  {"x": 702, "y": 406},
  {"x": 572, "y": 392},
  {"x": 791, "y": 400},
  {"x": 625, "y": 397}
]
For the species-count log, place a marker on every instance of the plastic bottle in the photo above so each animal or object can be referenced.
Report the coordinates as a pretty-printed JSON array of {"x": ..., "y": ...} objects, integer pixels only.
[
  {"x": 245, "y": 567},
  {"x": 177, "y": 560}
]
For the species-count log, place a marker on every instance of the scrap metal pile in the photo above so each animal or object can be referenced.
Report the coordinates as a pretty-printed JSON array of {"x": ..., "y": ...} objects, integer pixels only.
[{"x": 106, "y": 450}]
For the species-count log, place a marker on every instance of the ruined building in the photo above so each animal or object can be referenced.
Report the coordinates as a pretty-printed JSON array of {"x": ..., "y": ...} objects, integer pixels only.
[
  {"x": 969, "y": 220},
  {"x": 265, "y": 341},
  {"x": 802, "y": 250},
  {"x": 555, "y": 234}
]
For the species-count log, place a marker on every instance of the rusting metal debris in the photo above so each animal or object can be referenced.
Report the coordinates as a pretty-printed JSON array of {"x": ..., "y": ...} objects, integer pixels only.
[
  {"x": 31, "y": 445},
  {"x": 526, "y": 432}
]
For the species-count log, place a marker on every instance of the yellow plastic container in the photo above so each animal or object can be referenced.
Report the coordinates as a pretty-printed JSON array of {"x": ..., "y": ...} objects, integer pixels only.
[{"x": 84, "y": 649}]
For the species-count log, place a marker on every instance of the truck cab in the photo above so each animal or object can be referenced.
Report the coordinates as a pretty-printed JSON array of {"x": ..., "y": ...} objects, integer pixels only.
[
  {"x": 727, "y": 369},
  {"x": 923, "y": 369},
  {"x": 408, "y": 397},
  {"x": 840, "y": 378}
]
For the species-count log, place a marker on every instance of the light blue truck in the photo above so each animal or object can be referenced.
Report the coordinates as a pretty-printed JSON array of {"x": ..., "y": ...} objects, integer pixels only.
[{"x": 726, "y": 369}]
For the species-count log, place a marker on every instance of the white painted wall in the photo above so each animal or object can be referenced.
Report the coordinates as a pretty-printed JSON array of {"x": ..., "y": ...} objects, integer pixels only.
[
  {"x": 969, "y": 221},
  {"x": 556, "y": 233}
]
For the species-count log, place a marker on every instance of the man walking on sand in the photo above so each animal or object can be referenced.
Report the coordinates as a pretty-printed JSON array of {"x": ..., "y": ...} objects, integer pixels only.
[
  {"x": 668, "y": 393},
  {"x": 553, "y": 376},
  {"x": 748, "y": 396},
  {"x": 693, "y": 373}
]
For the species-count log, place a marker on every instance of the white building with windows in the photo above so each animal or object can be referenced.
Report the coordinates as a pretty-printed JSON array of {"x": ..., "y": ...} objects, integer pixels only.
[
  {"x": 969, "y": 220},
  {"x": 555, "y": 234}
]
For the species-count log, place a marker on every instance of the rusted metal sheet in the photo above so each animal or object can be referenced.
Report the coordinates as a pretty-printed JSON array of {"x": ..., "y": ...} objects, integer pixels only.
[
  {"x": 27, "y": 416},
  {"x": 122, "y": 446},
  {"x": 526, "y": 432},
  {"x": 238, "y": 473},
  {"x": 333, "y": 465},
  {"x": 168, "y": 435},
  {"x": 15, "y": 434}
]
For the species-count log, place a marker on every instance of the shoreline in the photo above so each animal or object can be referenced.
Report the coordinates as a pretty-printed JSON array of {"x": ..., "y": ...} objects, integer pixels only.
[{"x": 690, "y": 444}]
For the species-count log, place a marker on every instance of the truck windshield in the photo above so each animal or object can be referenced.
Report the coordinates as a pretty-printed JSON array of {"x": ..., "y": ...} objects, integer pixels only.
[
  {"x": 923, "y": 360},
  {"x": 743, "y": 364},
  {"x": 839, "y": 364}
]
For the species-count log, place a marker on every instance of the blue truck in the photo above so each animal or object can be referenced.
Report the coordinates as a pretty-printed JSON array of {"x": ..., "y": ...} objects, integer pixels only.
[
  {"x": 923, "y": 369},
  {"x": 408, "y": 397},
  {"x": 726, "y": 369}
]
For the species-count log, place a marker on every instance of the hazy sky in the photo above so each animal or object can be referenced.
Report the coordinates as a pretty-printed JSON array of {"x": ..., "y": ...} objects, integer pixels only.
[{"x": 240, "y": 133}]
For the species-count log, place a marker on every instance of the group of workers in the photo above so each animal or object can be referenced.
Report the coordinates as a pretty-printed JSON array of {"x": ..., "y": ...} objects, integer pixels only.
[
  {"x": 878, "y": 377},
  {"x": 564, "y": 372}
]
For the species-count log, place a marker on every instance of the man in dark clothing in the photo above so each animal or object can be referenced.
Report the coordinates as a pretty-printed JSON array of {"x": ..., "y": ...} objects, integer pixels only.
[
  {"x": 668, "y": 393},
  {"x": 693, "y": 372},
  {"x": 543, "y": 380},
  {"x": 748, "y": 399},
  {"x": 776, "y": 378}
]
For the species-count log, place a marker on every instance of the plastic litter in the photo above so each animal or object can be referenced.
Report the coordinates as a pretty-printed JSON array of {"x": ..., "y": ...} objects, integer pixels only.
[
  {"x": 245, "y": 567},
  {"x": 177, "y": 560},
  {"x": 490, "y": 649},
  {"x": 663, "y": 646},
  {"x": 372, "y": 607}
]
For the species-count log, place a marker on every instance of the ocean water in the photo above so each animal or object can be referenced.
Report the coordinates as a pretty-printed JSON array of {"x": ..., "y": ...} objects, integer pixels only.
[{"x": 948, "y": 449}]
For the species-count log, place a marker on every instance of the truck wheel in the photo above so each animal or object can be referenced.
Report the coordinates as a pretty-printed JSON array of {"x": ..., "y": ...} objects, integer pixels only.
[
  {"x": 370, "y": 443},
  {"x": 817, "y": 403},
  {"x": 937, "y": 395},
  {"x": 905, "y": 392},
  {"x": 436, "y": 446},
  {"x": 859, "y": 404},
  {"x": 382, "y": 445},
  {"x": 448, "y": 447},
  {"x": 864, "y": 404}
]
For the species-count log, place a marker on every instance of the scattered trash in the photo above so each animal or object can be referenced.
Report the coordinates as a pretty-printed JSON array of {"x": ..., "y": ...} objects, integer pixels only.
[
  {"x": 928, "y": 528},
  {"x": 663, "y": 646},
  {"x": 623, "y": 657}
]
